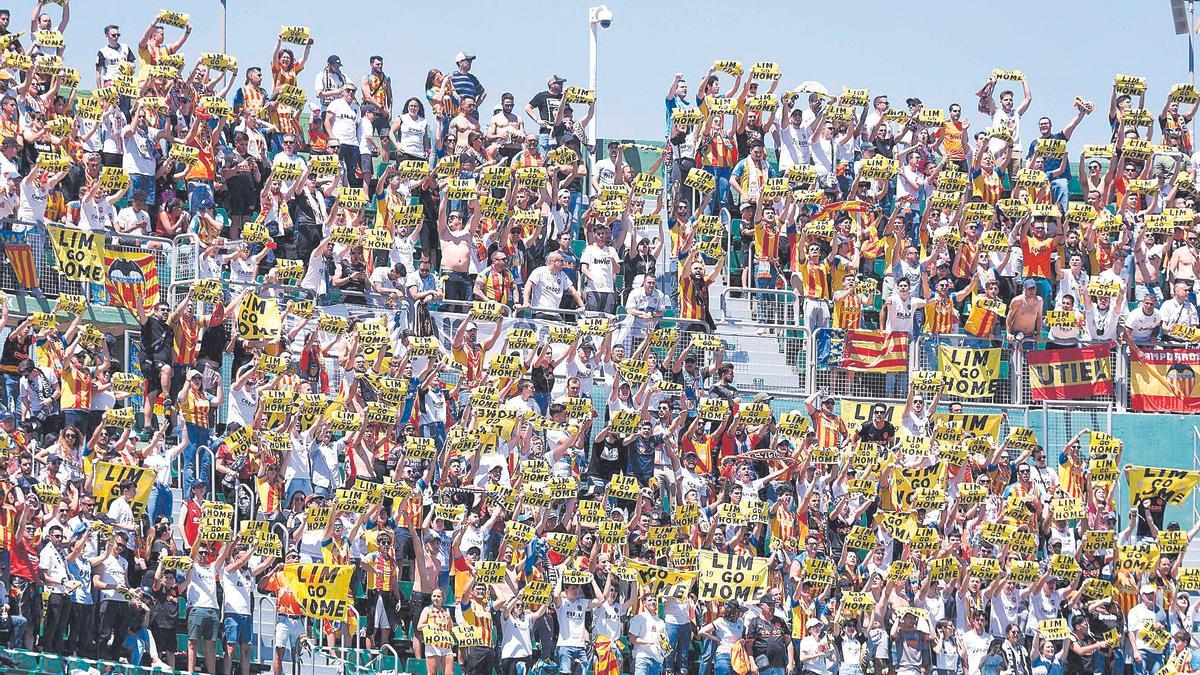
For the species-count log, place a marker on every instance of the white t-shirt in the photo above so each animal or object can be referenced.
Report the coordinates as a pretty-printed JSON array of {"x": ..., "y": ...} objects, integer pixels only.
[
  {"x": 133, "y": 222},
  {"x": 202, "y": 586},
  {"x": 900, "y": 314},
  {"x": 1174, "y": 312},
  {"x": 237, "y": 586},
  {"x": 299, "y": 462},
  {"x": 138, "y": 157},
  {"x": 345, "y": 121},
  {"x": 112, "y": 573},
  {"x": 33, "y": 202},
  {"x": 650, "y": 629},
  {"x": 548, "y": 288},
  {"x": 515, "y": 640},
  {"x": 412, "y": 135},
  {"x": 244, "y": 403},
  {"x": 600, "y": 267},
  {"x": 572, "y": 629},
  {"x": 1142, "y": 325},
  {"x": 97, "y": 216},
  {"x": 606, "y": 620},
  {"x": 121, "y": 513},
  {"x": 53, "y": 565},
  {"x": 606, "y": 172},
  {"x": 976, "y": 646},
  {"x": 727, "y": 633},
  {"x": 1139, "y": 616}
]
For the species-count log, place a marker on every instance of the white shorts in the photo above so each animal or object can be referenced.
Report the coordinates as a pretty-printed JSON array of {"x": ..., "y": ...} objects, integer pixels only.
[{"x": 288, "y": 631}]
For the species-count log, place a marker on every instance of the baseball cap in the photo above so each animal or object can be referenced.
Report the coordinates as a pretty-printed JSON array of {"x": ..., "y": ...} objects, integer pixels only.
[
  {"x": 762, "y": 397},
  {"x": 471, "y": 325},
  {"x": 812, "y": 623},
  {"x": 334, "y": 60},
  {"x": 868, "y": 147},
  {"x": 464, "y": 56},
  {"x": 1149, "y": 589},
  {"x": 555, "y": 78},
  {"x": 766, "y": 599},
  {"x": 1029, "y": 283}
]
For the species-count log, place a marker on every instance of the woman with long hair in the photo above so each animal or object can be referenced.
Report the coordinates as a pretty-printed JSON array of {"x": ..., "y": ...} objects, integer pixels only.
[{"x": 410, "y": 133}]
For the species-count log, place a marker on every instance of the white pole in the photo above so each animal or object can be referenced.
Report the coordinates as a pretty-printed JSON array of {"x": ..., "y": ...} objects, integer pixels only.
[
  {"x": 591, "y": 130},
  {"x": 224, "y": 48}
]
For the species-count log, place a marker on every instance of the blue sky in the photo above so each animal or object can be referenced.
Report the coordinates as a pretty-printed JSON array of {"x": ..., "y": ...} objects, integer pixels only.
[{"x": 941, "y": 52}]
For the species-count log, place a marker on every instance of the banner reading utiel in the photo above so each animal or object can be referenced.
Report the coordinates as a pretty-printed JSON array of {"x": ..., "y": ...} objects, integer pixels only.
[
  {"x": 967, "y": 372},
  {"x": 1165, "y": 381},
  {"x": 322, "y": 591},
  {"x": 1065, "y": 374}
]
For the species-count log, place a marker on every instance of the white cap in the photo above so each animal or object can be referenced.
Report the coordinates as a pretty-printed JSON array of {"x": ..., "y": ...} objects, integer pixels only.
[
  {"x": 1149, "y": 589},
  {"x": 464, "y": 56}
]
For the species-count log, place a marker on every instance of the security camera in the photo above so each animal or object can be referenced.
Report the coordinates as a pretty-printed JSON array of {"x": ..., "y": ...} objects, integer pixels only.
[{"x": 602, "y": 15}]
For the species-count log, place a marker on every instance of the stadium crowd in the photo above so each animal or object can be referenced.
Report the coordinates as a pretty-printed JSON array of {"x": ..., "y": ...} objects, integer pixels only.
[{"x": 586, "y": 491}]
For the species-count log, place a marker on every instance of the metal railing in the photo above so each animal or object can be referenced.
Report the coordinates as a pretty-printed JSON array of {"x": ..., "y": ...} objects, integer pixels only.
[
  {"x": 924, "y": 355},
  {"x": 771, "y": 307},
  {"x": 28, "y": 243}
]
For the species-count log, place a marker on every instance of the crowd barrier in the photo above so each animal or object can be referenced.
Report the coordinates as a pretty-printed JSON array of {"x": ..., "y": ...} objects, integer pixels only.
[{"x": 763, "y": 338}]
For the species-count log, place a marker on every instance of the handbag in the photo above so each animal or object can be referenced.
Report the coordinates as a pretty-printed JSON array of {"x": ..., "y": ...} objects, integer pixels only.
[{"x": 738, "y": 658}]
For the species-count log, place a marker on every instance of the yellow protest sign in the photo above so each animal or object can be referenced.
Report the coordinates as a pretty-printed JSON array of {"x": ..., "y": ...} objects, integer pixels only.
[
  {"x": 216, "y": 522},
  {"x": 1171, "y": 485},
  {"x": 969, "y": 373},
  {"x": 107, "y": 481},
  {"x": 79, "y": 254},
  {"x": 258, "y": 318},
  {"x": 725, "y": 577},
  {"x": 322, "y": 591}
]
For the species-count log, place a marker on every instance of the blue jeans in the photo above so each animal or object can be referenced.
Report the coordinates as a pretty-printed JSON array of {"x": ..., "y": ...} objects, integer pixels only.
[
  {"x": 544, "y": 142},
  {"x": 200, "y": 194},
  {"x": 708, "y": 651},
  {"x": 436, "y": 431},
  {"x": 543, "y": 401},
  {"x": 12, "y": 394},
  {"x": 723, "y": 665},
  {"x": 680, "y": 637},
  {"x": 767, "y": 307},
  {"x": 297, "y": 484},
  {"x": 160, "y": 502},
  {"x": 567, "y": 656},
  {"x": 1142, "y": 290},
  {"x": 722, "y": 174},
  {"x": 1060, "y": 190},
  {"x": 1150, "y": 661},
  {"x": 644, "y": 665},
  {"x": 197, "y": 437},
  {"x": 773, "y": 671}
]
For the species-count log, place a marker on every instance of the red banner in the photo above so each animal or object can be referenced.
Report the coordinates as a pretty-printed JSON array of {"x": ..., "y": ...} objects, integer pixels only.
[
  {"x": 1067, "y": 374},
  {"x": 1164, "y": 380}
]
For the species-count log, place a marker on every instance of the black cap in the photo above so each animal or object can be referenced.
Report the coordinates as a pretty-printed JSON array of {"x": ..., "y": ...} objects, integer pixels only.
[{"x": 334, "y": 60}]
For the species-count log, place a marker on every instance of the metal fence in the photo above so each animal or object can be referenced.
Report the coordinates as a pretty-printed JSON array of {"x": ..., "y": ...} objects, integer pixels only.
[
  {"x": 131, "y": 257},
  {"x": 924, "y": 355},
  {"x": 767, "y": 307}
]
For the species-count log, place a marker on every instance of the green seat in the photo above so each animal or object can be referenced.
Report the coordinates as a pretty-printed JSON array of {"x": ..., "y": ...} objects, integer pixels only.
[
  {"x": 25, "y": 660},
  {"x": 52, "y": 663},
  {"x": 415, "y": 666}
]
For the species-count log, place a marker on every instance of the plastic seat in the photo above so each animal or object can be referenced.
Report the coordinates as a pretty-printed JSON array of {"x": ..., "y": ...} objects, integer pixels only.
[{"x": 415, "y": 666}]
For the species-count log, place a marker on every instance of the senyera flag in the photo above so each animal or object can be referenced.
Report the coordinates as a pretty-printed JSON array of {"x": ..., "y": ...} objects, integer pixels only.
[
  {"x": 1165, "y": 381},
  {"x": 862, "y": 350},
  {"x": 132, "y": 279},
  {"x": 1068, "y": 374}
]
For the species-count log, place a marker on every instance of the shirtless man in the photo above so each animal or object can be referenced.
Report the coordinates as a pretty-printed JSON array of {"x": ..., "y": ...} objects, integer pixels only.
[
  {"x": 464, "y": 123},
  {"x": 1025, "y": 313},
  {"x": 455, "y": 238},
  {"x": 425, "y": 573},
  {"x": 1147, "y": 263},
  {"x": 506, "y": 129},
  {"x": 1183, "y": 263}
]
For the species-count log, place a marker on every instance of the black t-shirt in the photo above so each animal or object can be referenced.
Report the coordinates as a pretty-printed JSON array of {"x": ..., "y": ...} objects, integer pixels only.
[
  {"x": 546, "y": 104},
  {"x": 16, "y": 350},
  {"x": 212, "y": 342},
  {"x": 608, "y": 458},
  {"x": 348, "y": 269},
  {"x": 869, "y": 433},
  {"x": 769, "y": 642},
  {"x": 157, "y": 340}
]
